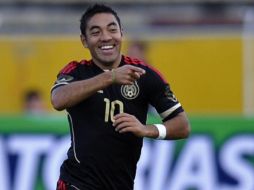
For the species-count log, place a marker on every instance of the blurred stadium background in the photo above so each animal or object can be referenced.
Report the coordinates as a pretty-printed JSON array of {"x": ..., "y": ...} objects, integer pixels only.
[{"x": 204, "y": 48}]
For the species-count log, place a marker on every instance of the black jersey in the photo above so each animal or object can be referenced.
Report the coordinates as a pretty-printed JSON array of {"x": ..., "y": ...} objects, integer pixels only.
[{"x": 99, "y": 157}]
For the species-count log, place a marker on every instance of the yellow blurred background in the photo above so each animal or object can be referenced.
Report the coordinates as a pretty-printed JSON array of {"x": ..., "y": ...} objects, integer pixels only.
[{"x": 204, "y": 71}]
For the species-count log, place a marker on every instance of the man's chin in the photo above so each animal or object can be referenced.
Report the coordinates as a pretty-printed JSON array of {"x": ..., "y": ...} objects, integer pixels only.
[{"x": 108, "y": 61}]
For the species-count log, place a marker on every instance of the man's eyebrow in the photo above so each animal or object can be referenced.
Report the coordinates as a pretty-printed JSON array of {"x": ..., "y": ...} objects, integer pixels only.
[
  {"x": 112, "y": 24},
  {"x": 97, "y": 27},
  {"x": 94, "y": 27}
]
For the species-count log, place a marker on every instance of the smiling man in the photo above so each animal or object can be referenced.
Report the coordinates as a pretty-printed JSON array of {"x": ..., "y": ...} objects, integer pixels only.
[
  {"x": 103, "y": 26},
  {"x": 107, "y": 100}
]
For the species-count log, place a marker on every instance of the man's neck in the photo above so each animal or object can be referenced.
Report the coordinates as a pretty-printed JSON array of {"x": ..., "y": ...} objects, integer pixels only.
[{"x": 108, "y": 66}]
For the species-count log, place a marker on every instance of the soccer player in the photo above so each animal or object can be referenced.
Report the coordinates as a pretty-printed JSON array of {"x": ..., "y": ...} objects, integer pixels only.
[{"x": 106, "y": 99}]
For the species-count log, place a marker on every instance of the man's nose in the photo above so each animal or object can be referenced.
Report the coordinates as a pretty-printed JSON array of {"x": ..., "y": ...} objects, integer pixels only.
[{"x": 106, "y": 36}]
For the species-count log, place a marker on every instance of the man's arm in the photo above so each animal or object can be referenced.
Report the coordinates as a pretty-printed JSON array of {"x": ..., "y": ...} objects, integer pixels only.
[
  {"x": 176, "y": 128},
  {"x": 71, "y": 94}
]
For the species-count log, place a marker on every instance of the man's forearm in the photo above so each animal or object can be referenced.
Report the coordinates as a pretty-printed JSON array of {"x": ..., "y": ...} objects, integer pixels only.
[{"x": 75, "y": 92}]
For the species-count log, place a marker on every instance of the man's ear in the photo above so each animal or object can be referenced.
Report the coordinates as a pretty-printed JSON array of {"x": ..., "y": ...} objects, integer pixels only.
[
  {"x": 83, "y": 40},
  {"x": 121, "y": 32}
]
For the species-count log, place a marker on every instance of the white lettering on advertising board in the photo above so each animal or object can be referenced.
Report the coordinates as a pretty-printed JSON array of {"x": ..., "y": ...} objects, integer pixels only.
[{"x": 200, "y": 164}]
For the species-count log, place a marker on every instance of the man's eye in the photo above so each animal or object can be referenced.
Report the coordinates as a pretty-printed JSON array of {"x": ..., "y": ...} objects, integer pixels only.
[
  {"x": 95, "y": 32},
  {"x": 113, "y": 30}
]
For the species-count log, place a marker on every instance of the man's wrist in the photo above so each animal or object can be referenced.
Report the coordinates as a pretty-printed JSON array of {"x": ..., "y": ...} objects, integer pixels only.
[
  {"x": 107, "y": 78},
  {"x": 162, "y": 130}
]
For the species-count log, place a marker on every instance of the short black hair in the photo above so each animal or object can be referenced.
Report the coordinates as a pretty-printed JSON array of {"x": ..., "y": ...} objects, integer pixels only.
[{"x": 91, "y": 11}]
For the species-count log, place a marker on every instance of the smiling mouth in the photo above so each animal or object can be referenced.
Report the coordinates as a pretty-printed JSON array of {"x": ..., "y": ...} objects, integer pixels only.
[{"x": 107, "y": 47}]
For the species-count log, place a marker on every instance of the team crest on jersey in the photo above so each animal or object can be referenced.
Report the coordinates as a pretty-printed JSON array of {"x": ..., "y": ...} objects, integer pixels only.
[
  {"x": 64, "y": 78},
  {"x": 130, "y": 91},
  {"x": 169, "y": 94}
]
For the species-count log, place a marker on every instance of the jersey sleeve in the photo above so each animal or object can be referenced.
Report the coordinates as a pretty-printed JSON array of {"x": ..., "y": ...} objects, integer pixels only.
[
  {"x": 161, "y": 96},
  {"x": 67, "y": 75}
]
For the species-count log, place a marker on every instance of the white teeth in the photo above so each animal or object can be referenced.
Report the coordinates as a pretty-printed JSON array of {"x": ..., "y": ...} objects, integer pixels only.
[{"x": 107, "y": 47}]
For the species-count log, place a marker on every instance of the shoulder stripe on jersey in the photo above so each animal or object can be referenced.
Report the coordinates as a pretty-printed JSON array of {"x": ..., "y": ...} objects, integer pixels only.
[
  {"x": 158, "y": 72},
  {"x": 85, "y": 62},
  {"x": 69, "y": 67},
  {"x": 135, "y": 61},
  {"x": 72, "y": 65},
  {"x": 169, "y": 111}
]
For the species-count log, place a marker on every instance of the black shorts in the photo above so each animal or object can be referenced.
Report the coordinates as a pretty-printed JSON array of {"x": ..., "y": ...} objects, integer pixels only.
[{"x": 62, "y": 185}]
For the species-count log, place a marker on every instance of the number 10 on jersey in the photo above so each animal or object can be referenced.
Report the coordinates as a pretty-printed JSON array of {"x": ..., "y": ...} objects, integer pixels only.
[{"x": 110, "y": 109}]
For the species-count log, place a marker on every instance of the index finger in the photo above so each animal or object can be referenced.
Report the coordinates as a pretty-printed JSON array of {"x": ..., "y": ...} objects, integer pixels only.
[{"x": 137, "y": 69}]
